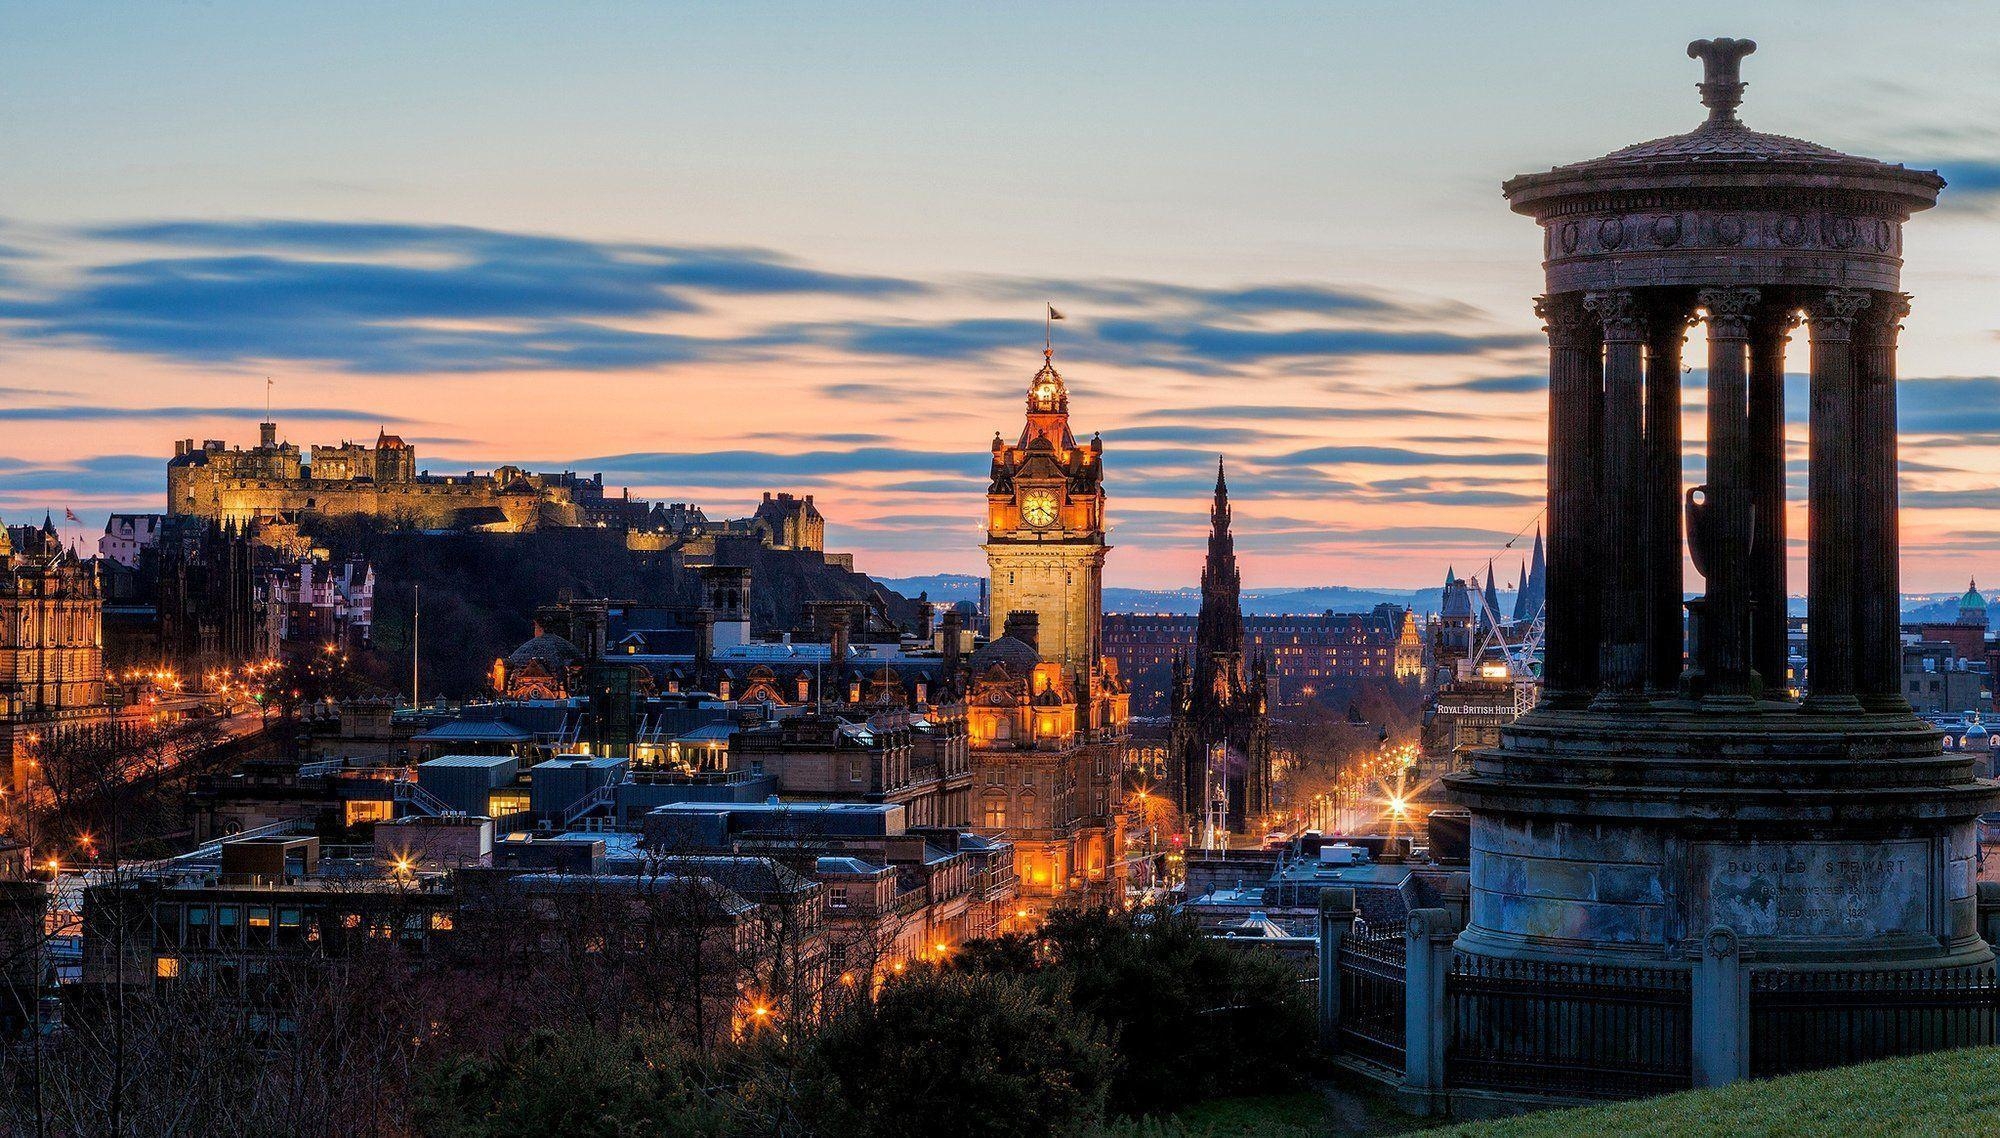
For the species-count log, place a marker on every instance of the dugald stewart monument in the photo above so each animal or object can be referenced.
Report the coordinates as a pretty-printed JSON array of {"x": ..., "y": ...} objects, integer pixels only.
[{"x": 1685, "y": 817}]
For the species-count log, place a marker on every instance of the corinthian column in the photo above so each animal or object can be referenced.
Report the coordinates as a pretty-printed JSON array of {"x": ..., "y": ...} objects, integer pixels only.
[
  {"x": 1575, "y": 391},
  {"x": 1721, "y": 523},
  {"x": 1770, "y": 648},
  {"x": 1621, "y": 658},
  {"x": 1878, "y": 656},
  {"x": 1831, "y": 501},
  {"x": 1661, "y": 512}
]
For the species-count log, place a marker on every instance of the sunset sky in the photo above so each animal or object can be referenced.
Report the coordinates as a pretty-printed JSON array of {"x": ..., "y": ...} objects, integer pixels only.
[{"x": 711, "y": 250}]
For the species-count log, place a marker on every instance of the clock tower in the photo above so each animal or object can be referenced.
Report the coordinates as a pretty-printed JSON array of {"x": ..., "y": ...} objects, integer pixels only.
[
  {"x": 1045, "y": 709},
  {"x": 1045, "y": 530}
]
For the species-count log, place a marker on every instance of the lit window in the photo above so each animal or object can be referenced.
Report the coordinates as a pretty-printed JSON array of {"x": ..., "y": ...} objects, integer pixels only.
[{"x": 167, "y": 967}]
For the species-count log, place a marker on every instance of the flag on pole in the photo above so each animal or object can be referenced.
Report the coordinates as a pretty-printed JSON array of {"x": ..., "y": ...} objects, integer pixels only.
[
  {"x": 71, "y": 515},
  {"x": 1055, "y": 315}
]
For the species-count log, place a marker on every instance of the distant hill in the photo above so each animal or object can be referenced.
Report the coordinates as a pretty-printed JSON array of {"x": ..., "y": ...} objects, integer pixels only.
[
  {"x": 1259, "y": 602},
  {"x": 940, "y": 586},
  {"x": 1939, "y": 610},
  {"x": 1339, "y": 598}
]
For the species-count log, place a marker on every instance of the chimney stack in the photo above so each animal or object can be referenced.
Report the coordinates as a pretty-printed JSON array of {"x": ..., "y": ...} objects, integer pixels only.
[
  {"x": 726, "y": 593},
  {"x": 704, "y": 640},
  {"x": 841, "y": 622},
  {"x": 952, "y": 636},
  {"x": 1026, "y": 627}
]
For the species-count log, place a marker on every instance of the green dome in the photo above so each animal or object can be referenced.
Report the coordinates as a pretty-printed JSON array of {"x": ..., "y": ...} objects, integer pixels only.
[{"x": 1972, "y": 599}]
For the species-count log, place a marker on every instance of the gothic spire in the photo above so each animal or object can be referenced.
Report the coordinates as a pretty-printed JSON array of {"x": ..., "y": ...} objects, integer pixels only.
[
  {"x": 1219, "y": 629},
  {"x": 1218, "y": 514},
  {"x": 1536, "y": 593}
]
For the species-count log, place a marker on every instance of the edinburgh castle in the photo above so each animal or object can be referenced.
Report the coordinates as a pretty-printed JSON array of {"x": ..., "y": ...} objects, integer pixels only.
[
  {"x": 273, "y": 480},
  {"x": 276, "y": 482}
]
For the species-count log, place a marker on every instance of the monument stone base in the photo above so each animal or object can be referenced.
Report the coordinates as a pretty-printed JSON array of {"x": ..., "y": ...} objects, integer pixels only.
[{"x": 1822, "y": 842}]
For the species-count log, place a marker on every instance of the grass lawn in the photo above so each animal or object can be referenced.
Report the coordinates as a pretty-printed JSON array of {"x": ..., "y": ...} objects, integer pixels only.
[
  {"x": 1341, "y": 1107},
  {"x": 1947, "y": 1094},
  {"x": 1281, "y": 1116}
]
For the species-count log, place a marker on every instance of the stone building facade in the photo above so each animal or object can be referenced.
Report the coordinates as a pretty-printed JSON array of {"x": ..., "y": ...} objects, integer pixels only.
[
  {"x": 1303, "y": 653},
  {"x": 51, "y": 644}
]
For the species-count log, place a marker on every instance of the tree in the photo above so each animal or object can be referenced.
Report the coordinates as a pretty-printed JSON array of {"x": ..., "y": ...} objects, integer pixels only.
[
  {"x": 96, "y": 786},
  {"x": 957, "y": 1052},
  {"x": 580, "y": 1083},
  {"x": 1192, "y": 1017}
]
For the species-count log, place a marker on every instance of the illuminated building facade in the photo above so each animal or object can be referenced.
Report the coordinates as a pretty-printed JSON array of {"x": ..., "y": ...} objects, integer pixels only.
[
  {"x": 51, "y": 643},
  {"x": 1045, "y": 708}
]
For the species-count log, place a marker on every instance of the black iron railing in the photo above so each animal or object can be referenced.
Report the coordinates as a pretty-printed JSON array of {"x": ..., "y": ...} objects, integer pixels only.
[
  {"x": 1572, "y": 1030},
  {"x": 1801, "y": 1021},
  {"x": 1371, "y": 994}
]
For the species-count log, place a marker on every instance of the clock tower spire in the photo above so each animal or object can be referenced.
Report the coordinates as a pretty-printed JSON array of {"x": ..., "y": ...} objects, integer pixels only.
[{"x": 1048, "y": 406}]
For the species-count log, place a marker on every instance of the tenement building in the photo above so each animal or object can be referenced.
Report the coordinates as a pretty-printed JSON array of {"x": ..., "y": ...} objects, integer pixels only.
[
  {"x": 1685, "y": 821},
  {"x": 51, "y": 644},
  {"x": 1045, "y": 707},
  {"x": 1219, "y": 744}
]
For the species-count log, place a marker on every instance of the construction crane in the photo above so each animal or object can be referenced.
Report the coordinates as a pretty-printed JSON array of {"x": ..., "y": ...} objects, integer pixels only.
[{"x": 1518, "y": 649}]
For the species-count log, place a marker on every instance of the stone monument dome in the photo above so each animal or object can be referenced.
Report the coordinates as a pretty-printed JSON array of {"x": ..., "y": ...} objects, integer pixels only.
[{"x": 1724, "y": 204}]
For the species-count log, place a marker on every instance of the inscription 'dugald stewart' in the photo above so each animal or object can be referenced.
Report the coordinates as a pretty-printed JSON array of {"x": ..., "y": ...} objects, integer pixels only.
[{"x": 1818, "y": 889}]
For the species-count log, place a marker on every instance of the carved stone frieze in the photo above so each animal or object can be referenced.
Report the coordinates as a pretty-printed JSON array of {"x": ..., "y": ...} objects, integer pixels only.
[{"x": 1593, "y": 235}]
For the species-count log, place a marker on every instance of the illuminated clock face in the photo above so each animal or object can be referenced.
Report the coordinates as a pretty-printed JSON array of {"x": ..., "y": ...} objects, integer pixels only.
[{"x": 1038, "y": 508}]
